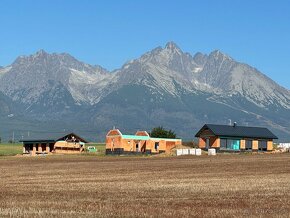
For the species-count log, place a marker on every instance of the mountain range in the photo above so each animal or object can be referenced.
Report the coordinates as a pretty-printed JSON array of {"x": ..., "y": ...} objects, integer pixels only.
[{"x": 44, "y": 93}]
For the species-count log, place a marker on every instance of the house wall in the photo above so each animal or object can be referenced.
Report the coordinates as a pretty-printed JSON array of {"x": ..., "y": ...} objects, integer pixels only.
[
  {"x": 170, "y": 146},
  {"x": 164, "y": 145},
  {"x": 242, "y": 144},
  {"x": 215, "y": 142},
  {"x": 151, "y": 146},
  {"x": 255, "y": 145},
  {"x": 128, "y": 145},
  {"x": 270, "y": 145},
  {"x": 114, "y": 132},
  {"x": 201, "y": 143},
  {"x": 63, "y": 147},
  {"x": 34, "y": 148},
  {"x": 143, "y": 146},
  {"x": 115, "y": 143}
]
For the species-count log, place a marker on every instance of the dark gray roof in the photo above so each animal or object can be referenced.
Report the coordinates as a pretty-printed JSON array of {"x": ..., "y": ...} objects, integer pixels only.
[
  {"x": 238, "y": 131},
  {"x": 51, "y": 137}
]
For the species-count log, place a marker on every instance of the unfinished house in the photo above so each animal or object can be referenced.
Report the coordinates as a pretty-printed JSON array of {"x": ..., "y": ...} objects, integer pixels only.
[
  {"x": 56, "y": 144},
  {"x": 141, "y": 142},
  {"x": 235, "y": 138}
]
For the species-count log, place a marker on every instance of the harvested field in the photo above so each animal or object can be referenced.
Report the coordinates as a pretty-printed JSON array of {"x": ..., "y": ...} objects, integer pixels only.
[{"x": 188, "y": 186}]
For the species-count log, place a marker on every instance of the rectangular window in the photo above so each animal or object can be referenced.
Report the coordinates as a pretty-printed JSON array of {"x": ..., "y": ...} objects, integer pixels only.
[
  {"x": 262, "y": 145},
  {"x": 248, "y": 144},
  {"x": 236, "y": 144},
  {"x": 230, "y": 144},
  {"x": 223, "y": 143}
]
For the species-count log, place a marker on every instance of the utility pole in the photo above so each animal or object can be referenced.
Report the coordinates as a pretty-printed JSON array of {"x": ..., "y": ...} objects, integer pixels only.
[{"x": 13, "y": 137}]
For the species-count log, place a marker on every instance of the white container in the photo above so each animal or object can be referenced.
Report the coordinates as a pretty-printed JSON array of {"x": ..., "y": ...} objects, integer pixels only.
[
  {"x": 192, "y": 151},
  {"x": 198, "y": 151},
  {"x": 185, "y": 151},
  {"x": 211, "y": 151},
  {"x": 178, "y": 152}
]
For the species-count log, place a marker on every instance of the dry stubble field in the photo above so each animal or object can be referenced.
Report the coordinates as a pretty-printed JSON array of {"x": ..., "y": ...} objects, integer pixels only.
[{"x": 89, "y": 186}]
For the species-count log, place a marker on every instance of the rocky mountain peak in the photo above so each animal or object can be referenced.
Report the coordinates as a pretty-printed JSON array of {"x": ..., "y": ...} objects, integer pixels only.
[
  {"x": 172, "y": 47},
  {"x": 41, "y": 52},
  {"x": 163, "y": 82},
  {"x": 200, "y": 58},
  {"x": 26, "y": 59},
  {"x": 217, "y": 54}
]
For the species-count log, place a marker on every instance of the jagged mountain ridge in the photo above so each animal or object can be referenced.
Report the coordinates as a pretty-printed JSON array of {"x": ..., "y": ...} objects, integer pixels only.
[
  {"x": 162, "y": 85},
  {"x": 161, "y": 67},
  {"x": 29, "y": 77}
]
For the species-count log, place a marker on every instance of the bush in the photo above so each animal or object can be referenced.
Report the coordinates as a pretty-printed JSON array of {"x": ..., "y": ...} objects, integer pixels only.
[{"x": 160, "y": 132}]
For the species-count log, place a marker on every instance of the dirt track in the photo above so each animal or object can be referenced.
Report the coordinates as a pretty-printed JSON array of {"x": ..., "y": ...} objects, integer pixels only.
[{"x": 88, "y": 186}]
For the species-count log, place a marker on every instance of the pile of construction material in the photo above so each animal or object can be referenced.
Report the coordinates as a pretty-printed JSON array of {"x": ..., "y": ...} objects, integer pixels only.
[
  {"x": 190, "y": 151},
  {"x": 284, "y": 147},
  {"x": 211, "y": 151}
]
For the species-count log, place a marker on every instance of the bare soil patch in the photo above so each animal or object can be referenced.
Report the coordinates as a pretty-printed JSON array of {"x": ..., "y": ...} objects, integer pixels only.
[{"x": 187, "y": 186}]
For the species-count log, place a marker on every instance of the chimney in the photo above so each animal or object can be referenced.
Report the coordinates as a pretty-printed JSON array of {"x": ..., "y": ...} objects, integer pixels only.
[{"x": 235, "y": 124}]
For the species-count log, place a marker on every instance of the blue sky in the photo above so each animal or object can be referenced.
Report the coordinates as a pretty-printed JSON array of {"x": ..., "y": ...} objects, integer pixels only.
[{"x": 109, "y": 33}]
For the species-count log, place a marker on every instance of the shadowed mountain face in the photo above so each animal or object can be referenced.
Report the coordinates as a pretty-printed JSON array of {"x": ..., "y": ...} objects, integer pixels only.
[
  {"x": 5, "y": 105},
  {"x": 165, "y": 86}
]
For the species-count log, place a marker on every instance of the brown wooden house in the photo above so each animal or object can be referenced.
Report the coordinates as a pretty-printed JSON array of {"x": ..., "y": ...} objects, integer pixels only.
[
  {"x": 141, "y": 142},
  {"x": 69, "y": 143},
  {"x": 235, "y": 138}
]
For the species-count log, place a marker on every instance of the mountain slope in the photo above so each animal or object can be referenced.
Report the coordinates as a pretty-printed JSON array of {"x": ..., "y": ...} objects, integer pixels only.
[
  {"x": 165, "y": 86},
  {"x": 229, "y": 77}
]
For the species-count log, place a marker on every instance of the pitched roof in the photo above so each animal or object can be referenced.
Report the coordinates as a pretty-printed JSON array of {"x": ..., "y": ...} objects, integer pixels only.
[
  {"x": 52, "y": 137},
  {"x": 238, "y": 131}
]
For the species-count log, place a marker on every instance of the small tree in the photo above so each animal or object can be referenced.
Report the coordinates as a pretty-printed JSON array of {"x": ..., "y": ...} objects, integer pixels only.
[{"x": 160, "y": 132}]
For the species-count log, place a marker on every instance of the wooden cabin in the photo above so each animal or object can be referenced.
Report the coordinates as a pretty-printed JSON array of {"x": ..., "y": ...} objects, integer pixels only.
[
  {"x": 235, "y": 138},
  {"x": 55, "y": 144},
  {"x": 141, "y": 142}
]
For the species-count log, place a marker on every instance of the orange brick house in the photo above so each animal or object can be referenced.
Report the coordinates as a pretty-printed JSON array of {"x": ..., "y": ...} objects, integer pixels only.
[
  {"x": 141, "y": 142},
  {"x": 235, "y": 138}
]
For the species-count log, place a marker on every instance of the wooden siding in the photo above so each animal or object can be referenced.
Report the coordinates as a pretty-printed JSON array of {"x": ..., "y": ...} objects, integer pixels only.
[
  {"x": 255, "y": 145},
  {"x": 215, "y": 142},
  {"x": 201, "y": 142},
  {"x": 243, "y": 144},
  {"x": 270, "y": 145}
]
